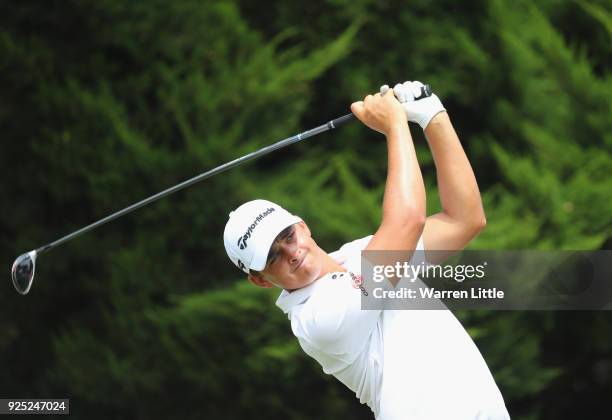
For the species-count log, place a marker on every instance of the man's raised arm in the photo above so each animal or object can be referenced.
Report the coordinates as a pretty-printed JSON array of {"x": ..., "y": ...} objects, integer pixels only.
[
  {"x": 462, "y": 216},
  {"x": 404, "y": 200}
]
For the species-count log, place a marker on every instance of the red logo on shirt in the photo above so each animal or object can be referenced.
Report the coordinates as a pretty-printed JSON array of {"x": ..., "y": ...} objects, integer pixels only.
[{"x": 357, "y": 281}]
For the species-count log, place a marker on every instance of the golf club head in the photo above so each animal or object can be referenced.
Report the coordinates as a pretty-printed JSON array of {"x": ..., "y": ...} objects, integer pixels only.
[{"x": 22, "y": 272}]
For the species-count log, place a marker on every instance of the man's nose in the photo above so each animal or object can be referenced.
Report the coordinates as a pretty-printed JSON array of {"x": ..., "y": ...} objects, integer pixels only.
[{"x": 291, "y": 252}]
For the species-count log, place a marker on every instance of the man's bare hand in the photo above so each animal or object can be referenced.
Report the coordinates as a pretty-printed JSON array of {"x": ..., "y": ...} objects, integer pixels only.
[{"x": 380, "y": 112}]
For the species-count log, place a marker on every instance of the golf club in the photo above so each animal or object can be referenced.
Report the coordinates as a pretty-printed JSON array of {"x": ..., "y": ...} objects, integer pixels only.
[{"x": 22, "y": 272}]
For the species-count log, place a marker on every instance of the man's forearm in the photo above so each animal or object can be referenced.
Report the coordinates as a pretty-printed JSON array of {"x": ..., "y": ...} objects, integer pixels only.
[
  {"x": 404, "y": 188},
  {"x": 404, "y": 202},
  {"x": 458, "y": 189},
  {"x": 404, "y": 206}
]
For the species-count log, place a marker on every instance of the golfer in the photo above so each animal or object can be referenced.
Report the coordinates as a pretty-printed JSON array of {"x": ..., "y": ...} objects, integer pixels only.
[{"x": 404, "y": 364}]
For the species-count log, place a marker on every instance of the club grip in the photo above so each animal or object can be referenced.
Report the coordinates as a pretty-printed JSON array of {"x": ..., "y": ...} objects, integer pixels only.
[
  {"x": 425, "y": 92},
  {"x": 337, "y": 122}
]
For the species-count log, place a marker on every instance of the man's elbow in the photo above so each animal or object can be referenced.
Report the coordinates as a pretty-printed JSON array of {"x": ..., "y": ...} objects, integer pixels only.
[
  {"x": 414, "y": 219},
  {"x": 481, "y": 222},
  {"x": 477, "y": 224},
  {"x": 412, "y": 223},
  {"x": 409, "y": 218}
]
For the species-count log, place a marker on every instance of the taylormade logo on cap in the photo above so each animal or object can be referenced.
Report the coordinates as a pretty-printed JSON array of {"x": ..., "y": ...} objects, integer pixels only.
[{"x": 242, "y": 241}]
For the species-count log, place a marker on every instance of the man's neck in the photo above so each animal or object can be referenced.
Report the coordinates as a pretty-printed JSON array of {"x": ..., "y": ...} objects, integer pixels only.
[{"x": 330, "y": 266}]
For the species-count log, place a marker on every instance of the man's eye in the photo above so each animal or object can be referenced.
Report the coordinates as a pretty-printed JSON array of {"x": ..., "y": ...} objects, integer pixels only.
[{"x": 290, "y": 237}]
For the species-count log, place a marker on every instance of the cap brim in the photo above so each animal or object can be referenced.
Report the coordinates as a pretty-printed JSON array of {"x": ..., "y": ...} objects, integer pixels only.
[{"x": 263, "y": 247}]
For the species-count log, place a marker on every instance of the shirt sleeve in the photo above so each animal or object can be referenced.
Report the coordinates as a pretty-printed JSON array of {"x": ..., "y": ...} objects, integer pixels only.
[{"x": 418, "y": 259}]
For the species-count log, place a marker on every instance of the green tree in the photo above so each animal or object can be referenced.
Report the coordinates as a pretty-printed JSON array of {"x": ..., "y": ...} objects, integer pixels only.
[{"x": 148, "y": 308}]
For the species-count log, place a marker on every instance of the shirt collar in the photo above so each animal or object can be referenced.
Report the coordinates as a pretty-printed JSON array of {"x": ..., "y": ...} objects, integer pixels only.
[{"x": 286, "y": 301}]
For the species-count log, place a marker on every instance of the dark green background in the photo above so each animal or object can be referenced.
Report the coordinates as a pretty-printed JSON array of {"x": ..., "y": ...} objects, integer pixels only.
[{"x": 105, "y": 102}]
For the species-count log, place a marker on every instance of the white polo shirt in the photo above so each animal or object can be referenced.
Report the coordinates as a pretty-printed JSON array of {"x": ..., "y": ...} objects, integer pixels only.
[{"x": 404, "y": 364}]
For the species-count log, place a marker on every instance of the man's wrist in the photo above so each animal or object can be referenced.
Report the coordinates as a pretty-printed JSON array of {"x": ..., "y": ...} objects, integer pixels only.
[
  {"x": 440, "y": 117},
  {"x": 398, "y": 129}
]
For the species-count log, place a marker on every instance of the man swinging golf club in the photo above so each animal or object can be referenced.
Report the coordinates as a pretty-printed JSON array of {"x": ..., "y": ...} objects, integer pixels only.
[{"x": 410, "y": 364}]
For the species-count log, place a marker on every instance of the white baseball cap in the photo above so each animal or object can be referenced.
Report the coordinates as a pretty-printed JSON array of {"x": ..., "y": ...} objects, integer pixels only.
[{"x": 251, "y": 230}]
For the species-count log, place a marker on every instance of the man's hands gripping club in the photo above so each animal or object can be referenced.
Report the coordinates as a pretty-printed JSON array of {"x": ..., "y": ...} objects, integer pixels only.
[
  {"x": 419, "y": 104},
  {"x": 381, "y": 112}
]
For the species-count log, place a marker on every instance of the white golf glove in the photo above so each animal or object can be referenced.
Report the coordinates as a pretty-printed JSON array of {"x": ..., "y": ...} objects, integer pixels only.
[{"x": 418, "y": 110}]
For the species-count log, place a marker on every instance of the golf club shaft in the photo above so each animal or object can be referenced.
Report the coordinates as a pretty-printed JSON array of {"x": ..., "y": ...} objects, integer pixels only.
[{"x": 263, "y": 151}]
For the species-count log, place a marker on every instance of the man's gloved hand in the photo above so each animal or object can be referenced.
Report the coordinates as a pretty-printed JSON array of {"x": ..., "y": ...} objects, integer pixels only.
[{"x": 419, "y": 111}]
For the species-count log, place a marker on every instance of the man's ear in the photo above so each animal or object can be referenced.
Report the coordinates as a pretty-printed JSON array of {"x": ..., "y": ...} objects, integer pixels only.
[{"x": 258, "y": 280}]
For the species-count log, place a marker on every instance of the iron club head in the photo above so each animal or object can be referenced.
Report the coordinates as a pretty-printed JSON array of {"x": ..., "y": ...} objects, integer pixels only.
[{"x": 22, "y": 272}]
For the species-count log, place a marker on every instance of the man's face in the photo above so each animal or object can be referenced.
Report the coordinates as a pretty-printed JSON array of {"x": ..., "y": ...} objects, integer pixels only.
[{"x": 294, "y": 260}]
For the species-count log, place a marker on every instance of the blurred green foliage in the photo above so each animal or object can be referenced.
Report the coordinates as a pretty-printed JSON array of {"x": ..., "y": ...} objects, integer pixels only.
[{"x": 106, "y": 102}]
